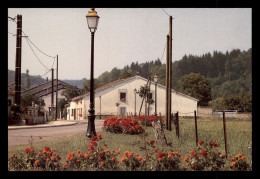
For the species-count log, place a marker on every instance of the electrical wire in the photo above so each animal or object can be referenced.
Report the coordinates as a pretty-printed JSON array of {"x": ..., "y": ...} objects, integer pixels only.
[
  {"x": 164, "y": 50},
  {"x": 11, "y": 33},
  {"x": 165, "y": 12},
  {"x": 36, "y": 55},
  {"x": 13, "y": 19},
  {"x": 46, "y": 73}
]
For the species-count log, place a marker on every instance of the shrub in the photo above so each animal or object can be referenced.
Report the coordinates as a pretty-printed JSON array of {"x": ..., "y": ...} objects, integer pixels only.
[
  {"x": 239, "y": 163},
  {"x": 131, "y": 162},
  {"x": 205, "y": 157},
  {"x": 122, "y": 125},
  {"x": 148, "y": 120}
]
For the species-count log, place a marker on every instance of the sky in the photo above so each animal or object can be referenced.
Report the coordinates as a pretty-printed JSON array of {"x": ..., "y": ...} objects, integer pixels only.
[{"x": 123, "y": 36}]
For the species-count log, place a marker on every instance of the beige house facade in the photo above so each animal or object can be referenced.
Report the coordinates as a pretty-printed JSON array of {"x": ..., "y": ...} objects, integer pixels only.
[{"x": 118, "y": 98}]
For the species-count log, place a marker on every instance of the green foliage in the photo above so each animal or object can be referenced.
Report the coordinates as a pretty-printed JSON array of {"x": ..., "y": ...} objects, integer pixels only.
[
  {"x": 125, "y": 73},
  {"x": 61, "y": 104},
  {"x": 29, "y": 98},
  {"x": 240, "y": 102},
  {"x": 71, "y": 91},
  {"x": 196, "y": 86}
]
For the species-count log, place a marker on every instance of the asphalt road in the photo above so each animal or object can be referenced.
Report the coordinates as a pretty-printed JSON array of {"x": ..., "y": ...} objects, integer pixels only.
[{"x": 23, "y": 136}]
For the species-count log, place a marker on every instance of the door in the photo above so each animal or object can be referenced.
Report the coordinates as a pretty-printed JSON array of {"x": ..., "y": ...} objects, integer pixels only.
[
  {"x": 122, "y": 111},
  {"x": 75, "y": 114}
]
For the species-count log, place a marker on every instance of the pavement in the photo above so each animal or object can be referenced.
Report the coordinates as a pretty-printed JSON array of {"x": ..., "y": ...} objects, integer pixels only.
[{"x": 57, "y": 123}]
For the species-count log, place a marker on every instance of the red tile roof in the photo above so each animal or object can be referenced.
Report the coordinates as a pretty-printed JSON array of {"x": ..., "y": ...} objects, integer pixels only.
[{"x": 101, "y": 87}]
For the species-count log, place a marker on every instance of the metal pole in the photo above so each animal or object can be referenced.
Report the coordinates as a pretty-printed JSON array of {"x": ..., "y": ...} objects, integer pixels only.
[
  {"x": 225, "y": 133},
  {"x": 57, "y": 91},
  {"x": 170, "y": 73},
  {"x": 196, "y": 129},
  {"x": 135, "y": 103},
  {"x": 18, "y": 60},
  {"x": 52, "y": 94},
  {"x": 91, "y": 117},
  {"x": 178, "y": 125},
  {"x": 100, "y": 107},
  {"x": 155, "y": 98},
  {"x": 167, "y": 84}
]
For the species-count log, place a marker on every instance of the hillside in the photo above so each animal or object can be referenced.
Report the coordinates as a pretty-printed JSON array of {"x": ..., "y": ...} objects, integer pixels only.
[
  {"x": 229, "y": 73},
  {"x": 37, "y": 80}
]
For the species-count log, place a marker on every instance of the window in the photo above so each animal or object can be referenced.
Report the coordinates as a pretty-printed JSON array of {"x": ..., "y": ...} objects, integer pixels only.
[
  {"x": 150, "y": 96},
  {"x": 123, "y": 97},
  {"x": 71, "y": 112}
]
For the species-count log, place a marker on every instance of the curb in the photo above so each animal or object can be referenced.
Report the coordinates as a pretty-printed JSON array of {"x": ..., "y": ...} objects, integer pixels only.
[{"x": 41, "y": 126}]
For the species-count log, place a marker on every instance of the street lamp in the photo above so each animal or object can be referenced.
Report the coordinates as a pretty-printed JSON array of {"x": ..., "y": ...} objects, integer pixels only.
[
  {"x": 155, "y": 80},
  {"x": 92, "y": 19},
  {"x": 135, "y": 101}
]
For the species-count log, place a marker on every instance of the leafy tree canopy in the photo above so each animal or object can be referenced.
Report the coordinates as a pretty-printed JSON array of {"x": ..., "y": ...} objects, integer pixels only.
[{"x": 197, "y": 86}]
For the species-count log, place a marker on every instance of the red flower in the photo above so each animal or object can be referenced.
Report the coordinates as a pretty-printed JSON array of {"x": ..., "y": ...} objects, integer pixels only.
[
  {"x": 27, "y": 150},
  {"x": 105, "y": 145},
  {"x": 192, "y": 153},
  {"x": 204, "y": 153},
  {"x": 93, "y": 143},
  {"x": 46, "y": 148},
  {"x": 155, "y": 150},
  {"x": 151, "y": 142},
  {"x": 201, "y": 142},
  {"x": 161, "y": 154}
]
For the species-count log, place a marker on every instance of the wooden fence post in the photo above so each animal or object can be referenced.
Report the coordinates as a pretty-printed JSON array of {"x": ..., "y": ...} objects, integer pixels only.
[
  {"x": 225, "y": 133},
  {"x": 170, "y": 122},
  {"x": 196, "y": 129},
  {"x": 178, "y": 125}
]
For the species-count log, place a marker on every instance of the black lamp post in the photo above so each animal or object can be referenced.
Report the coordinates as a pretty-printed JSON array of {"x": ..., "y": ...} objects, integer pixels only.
[
  {"x": 155, "y": 80},
  {"x": 92, "y": 19},
  {"x": 135, "y": 101}
]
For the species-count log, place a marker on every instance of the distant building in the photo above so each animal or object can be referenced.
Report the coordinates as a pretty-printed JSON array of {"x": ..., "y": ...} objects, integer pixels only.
[
  {"x": 44, "y": 91},
  {"x": 122, "y": 93}
]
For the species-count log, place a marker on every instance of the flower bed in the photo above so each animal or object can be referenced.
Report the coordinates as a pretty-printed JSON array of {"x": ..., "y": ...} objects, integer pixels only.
[
  {"x": 204, "y": 157},
  {"x": 149, "y": 119},
  {"x": 124, "y": 125}
]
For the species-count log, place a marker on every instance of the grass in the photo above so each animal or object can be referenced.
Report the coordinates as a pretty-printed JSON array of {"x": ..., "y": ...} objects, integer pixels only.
[{"x": 239, "y": 139}]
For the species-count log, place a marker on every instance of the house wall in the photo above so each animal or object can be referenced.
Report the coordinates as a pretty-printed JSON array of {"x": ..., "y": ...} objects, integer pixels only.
[
  {"x": 110, "y": 96},
  {"x": 47, "y": 99}
]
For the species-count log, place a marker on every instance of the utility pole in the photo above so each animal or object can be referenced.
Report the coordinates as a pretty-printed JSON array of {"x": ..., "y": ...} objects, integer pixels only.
[
  {"x": 167, "y": 85},
  {"x": 18, "y": 60},
  {"x": 52, "y": 93},
  {"x": 57, "y": 91},
  {"x": 170, "y": 74}
]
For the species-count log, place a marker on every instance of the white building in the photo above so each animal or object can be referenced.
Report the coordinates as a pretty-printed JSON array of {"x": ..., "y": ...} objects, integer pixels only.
[
  {"x": 122, "y": 92},
  {"x": 44, "y": 91}
]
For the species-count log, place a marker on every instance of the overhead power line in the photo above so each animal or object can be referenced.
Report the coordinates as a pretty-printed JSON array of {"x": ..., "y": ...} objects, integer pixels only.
[
  {"x": 165, "y": 12},
  {"x": 164, "y": 50},
  {"x": 36, "y": 55}
]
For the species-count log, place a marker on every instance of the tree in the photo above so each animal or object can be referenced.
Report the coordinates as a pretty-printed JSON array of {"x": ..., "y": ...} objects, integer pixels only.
[
  {"x": 125, "y": 73},
  {"x": 27, "y": 81},
  {"x": 71, "y": 91},
  {"x": 61, "y": 104},
  {"x": 197, "y": 86},
  {"x": 29, "y": 98}
]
